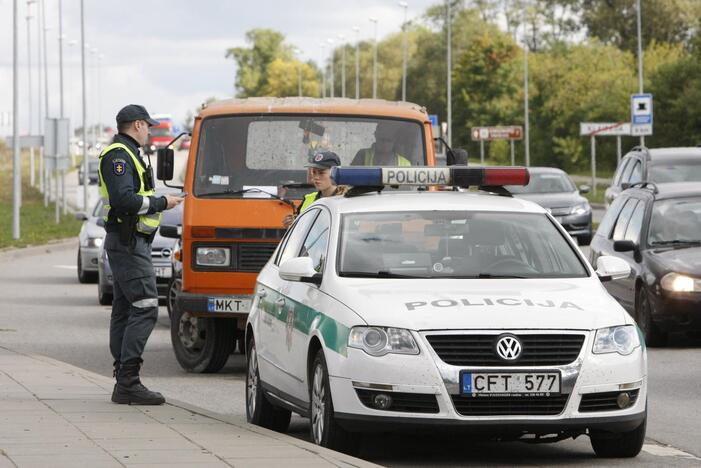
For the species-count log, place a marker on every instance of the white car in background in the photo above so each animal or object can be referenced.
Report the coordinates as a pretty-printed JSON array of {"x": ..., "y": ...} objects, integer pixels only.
[
  {"x": 390, "y": 311},
  {"x": 92, "y": 234}
]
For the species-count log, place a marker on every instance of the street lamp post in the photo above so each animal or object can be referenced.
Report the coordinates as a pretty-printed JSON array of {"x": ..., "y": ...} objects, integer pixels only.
[
  {"x": 333, "y": 81},
  {"x": 449, "y": 76},
  {"x": 82, "y": 66},
  {"x": 404, "y": 5},
  {"x": 640, "y": 56},
  {"x": 374, "y": 61},
  {"x": 323, "y": 71},
  {"x": 16, "y": 175},
  {"x": 298, "y": 52},
  {"x": 357, "y": 62},
  {"x": 29, "y": 90},
  {"x": 342, "y": 38},
  {"x": 43, "y": 180}
]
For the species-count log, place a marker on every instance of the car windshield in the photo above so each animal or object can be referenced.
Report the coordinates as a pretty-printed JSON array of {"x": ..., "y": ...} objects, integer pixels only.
[
  {"x": 675, "y": 220},
  {"x": 544, "y": 183},
  {"x": 237, "y": 153},
  {"x": 454, "y": 244},
  {"x": 676, "y": 171}
]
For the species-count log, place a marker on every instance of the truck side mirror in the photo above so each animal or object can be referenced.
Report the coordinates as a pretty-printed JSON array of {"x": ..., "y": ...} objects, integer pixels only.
[
  {"x": 456, "y": 157},
  {"x": 165, "y": 164}
]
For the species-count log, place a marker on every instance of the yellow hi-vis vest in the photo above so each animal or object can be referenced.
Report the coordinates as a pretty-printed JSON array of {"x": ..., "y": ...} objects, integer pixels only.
[
  {"x": 370, "y": 157},
  {"x": 308, "y": 200},
  {"x": 147, "y": 223}
]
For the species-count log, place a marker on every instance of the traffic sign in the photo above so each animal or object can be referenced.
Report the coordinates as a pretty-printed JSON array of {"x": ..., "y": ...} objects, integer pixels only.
[
  {"x": 434, "y": 119},
  {"x": 641, "y": 114},
  {"x": 513, "y": 132},
  {"x": 604, "y": 129}
]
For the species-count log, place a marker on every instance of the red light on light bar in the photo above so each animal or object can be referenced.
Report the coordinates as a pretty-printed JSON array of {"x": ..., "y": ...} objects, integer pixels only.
[{"x": 506, "y": 176}]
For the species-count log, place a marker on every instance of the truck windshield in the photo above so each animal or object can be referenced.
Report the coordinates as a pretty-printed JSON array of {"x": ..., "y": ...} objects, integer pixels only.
[{"x": 245, "y": 156}]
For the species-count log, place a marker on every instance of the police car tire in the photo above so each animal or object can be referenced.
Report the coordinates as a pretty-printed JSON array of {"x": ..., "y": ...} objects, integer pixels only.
[
  {"x": 333, "y": 436},
  {"x": 265, "y": 414},
  {"x": 219, "y": 342},
  {"x": 623, "y": 445}
]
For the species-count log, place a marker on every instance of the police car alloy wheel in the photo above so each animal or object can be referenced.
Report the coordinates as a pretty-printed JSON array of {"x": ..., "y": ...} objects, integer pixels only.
[
  {"x": 415, "y": 310},
  {"x": 259, "y": 410}
]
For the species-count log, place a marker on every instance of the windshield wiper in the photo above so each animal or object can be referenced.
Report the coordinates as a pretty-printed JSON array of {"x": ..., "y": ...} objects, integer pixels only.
[
  {"x": 490, "y": 275},
  {"x": 379, "y": 274},
  {"x": 677, "y": 242},
  {"x": 248, "y": 190}
]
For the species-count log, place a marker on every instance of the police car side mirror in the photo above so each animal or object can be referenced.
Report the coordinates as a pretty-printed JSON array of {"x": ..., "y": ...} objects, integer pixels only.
[
  {"x": 165, "y": 164},
  {"x": 81, "y": 216},
  {"x": 611, "y": 268},
  {"x": 299, "y": 269},
  {"x": 456, "y": 157},
  {"x": 584, "y": 189},
  {"x": 100, "y": 222}
]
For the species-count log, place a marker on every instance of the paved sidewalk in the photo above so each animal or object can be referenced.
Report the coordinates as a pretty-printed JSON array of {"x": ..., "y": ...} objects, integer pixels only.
[{"x": 54, "y": 414}]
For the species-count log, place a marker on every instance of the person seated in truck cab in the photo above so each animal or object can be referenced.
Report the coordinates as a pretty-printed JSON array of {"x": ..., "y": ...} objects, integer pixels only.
[{"x": 383, "y": 152}]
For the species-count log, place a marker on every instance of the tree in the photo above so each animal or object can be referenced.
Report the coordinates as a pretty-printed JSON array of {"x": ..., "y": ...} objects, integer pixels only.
[{"x": 283, "y": 78}]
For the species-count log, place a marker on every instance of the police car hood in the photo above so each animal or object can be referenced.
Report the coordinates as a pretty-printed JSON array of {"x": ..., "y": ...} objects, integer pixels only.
[{"x": 430, "y": 304}]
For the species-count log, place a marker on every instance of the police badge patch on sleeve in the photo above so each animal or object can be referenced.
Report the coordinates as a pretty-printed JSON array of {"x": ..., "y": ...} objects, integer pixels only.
[{"x": 119, "y": 166}]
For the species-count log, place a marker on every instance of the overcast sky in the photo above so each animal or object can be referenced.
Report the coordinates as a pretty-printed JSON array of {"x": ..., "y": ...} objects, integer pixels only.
[{"x": 169, "y": 55}]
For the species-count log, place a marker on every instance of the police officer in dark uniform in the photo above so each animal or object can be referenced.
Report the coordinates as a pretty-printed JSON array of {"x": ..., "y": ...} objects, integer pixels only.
[{"x": 132, "y": 218}]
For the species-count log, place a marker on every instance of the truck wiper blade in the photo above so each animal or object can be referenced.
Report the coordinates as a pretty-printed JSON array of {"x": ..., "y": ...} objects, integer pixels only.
[{"x": 248, "y": 190}]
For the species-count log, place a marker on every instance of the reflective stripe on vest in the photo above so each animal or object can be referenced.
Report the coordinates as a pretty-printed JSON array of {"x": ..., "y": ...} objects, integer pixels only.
[
  {"x": 370, "y": 156},
  {"x": 308, "y": 200},
  {"x": 147, "y": 223}
]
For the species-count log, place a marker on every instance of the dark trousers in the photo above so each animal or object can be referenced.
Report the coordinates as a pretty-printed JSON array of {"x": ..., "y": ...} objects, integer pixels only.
[{"x": 135, "y": 297}]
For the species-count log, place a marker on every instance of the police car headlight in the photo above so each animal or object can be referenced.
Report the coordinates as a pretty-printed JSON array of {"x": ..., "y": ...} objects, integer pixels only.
[
  {"x": 674, "y": 282},
  {"x": 378, "y": 341},
  {"x": 213, "y": 256},
  {"x": 622, "y": 340},
  {"x": 94, "y": 241},
  {"x": 582, "y": 208}
]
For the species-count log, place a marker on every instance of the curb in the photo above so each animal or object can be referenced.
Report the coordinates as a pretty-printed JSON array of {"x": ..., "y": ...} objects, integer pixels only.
[
  {"x": 335, "y": 458},
  {"x": 15, "y": 253}
]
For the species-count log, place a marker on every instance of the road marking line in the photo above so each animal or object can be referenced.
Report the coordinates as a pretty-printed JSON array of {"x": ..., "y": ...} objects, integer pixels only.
[
  {"x": 667, "y": 451},
  {"x": 66, "y": 267}
]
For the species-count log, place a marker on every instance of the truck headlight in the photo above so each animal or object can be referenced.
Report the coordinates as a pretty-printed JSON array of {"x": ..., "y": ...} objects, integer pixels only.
[
  {"x": 580, "y": 209},
  {"x": 674, "y": 282},
  {"x": 378, "y": 341},
  {"x": 213, "y": 256},
  {"x": 621, "y": 339}
]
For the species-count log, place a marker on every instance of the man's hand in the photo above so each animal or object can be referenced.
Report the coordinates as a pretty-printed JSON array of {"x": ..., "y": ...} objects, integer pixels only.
[{"x": 172, "y": 201}]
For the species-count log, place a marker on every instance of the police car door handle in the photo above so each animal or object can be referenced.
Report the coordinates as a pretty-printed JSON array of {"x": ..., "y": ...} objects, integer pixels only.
[
  {"x": 262, "y": 293},
  {"x": 280, "y": 302}
]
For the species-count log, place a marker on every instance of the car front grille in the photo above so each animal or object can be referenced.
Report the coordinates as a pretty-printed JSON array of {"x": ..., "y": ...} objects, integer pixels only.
[
  {"x": 509, "y": 405},
  {"x": 253, "y": 256},
  {"x": 605, "y": 401},
  {"x": 480, "y": 350},
  {"x": 404, "y": 402}
]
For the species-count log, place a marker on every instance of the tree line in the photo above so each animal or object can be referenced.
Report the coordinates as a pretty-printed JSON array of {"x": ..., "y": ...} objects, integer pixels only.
[{"x": 582, "y": 57}]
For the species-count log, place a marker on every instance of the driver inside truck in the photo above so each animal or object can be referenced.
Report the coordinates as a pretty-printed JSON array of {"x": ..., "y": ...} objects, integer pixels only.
[{"x": 383, "y": 152}]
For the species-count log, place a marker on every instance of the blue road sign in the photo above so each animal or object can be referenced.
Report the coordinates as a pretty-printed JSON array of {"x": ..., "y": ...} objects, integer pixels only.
[{"x": 434, "y": 119}]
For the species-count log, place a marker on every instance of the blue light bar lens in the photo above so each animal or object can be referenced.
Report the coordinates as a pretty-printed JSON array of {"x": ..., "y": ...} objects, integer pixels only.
[{"x": 357, "y": 176}]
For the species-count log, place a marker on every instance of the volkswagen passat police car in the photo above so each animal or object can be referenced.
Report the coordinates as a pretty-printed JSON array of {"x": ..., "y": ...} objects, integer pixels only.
[{"x": 393, "y": 310}]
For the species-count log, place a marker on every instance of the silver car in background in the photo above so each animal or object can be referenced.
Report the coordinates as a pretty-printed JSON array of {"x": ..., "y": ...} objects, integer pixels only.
[{"x": 92, "y": 234}]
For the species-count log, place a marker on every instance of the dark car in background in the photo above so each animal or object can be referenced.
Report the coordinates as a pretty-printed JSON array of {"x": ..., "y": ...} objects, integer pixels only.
[
  {"x": 93, "y": 166},
  {"x": 656, "y": 228},
  {"x": 554, "y": 190},
  {"x": 161, "y": 252},
  {"x": 658, "y": 165}
]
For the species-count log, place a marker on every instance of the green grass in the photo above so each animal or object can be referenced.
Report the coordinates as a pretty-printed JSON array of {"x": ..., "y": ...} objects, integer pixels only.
[
  {"x": 599, "y": 197},
  {"x": 37, "y": 223}
]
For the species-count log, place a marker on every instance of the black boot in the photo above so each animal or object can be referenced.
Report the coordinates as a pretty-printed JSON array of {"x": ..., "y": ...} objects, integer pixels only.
[
  {"x": 116, "y": 365},
  {"x": 129, "y": 389}
]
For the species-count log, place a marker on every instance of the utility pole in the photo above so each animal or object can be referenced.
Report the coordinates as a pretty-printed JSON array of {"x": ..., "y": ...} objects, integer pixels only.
[
  {"x": 357, "y": 62},
  {"x": 404, "y": 5},
  {"x": 449, "y": 77},
  {"x": 342, "y": 38},
  {"x": 43, "y": 180},
  {"x": 640, "y": 56},
  {"x": 82, "y": 66},
  {"x": 16, "y": 168},
  {"x": 374, "y": 62},
  {"x": 333, "y": 81},
  {"x": 29, "y": 89},
  {"x": 526, "y": 126}
]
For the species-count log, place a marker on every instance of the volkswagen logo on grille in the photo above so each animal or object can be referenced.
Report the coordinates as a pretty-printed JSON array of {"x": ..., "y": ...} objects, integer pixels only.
[{"x": 508, "y": 347}]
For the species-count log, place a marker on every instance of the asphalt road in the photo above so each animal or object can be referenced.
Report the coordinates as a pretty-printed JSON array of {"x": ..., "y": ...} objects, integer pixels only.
[{"x": 43, "y": 309}]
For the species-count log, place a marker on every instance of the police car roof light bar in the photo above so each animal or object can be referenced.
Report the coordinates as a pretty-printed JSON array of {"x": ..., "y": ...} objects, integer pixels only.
[{"x": 427, "y": 176}]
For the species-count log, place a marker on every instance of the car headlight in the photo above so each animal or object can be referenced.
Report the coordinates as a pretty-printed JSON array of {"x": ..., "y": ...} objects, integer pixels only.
[
  {"x": 674, "y": 282},
  {"x": 580, "y": 209},
  {"x": 378, "y": 341},
  {"x": 94, "y": 241},
  {"x": 213, "y": 256},
  {"x": 622, "y": 340}
]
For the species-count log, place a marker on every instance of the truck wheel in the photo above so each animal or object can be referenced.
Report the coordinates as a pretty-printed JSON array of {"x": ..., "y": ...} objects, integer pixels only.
[
  {"x": 624, "y": 445},
  {"x": 173, "y": 289},
  {"x": 259, "y": 410},
  {"x": 201, "y": 344}
]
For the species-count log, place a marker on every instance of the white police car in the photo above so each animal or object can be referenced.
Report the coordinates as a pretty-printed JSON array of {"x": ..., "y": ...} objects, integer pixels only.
[{"x": 392, "y": 310}]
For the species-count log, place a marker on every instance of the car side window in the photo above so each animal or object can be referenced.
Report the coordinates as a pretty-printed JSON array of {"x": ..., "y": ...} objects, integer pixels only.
[
  {"x": 622, "y": 222},
  {"x": 635, "y": 223},
  {"x": 296, "y": 236},
  {"x": 316, "y": 242},
  {"x": 636, "y": 175},
  {"x": 610, "y": 216},
  {"x": 620, "y": 171},
  {"x": 626, "y": 172}
]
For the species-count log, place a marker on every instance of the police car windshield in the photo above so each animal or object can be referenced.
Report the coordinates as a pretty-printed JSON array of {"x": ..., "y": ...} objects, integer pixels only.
[
  {"x": 239, "y": 152},
  {"x": 455, "y": 244}
]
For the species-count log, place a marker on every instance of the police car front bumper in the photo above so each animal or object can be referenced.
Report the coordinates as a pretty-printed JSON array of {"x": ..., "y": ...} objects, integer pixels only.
[{"x": 426, "y": 393}]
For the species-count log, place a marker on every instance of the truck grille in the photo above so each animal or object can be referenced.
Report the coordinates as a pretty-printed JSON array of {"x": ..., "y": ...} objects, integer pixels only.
[
  {"x": 509, "y": 405},
  {"x": 479, "y": 350},
  {"x": 254, "y": 256},
  {"x": 605, "y": 401}
]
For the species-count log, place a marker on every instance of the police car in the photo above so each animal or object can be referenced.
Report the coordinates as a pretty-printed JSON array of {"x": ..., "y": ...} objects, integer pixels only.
[{"x": 387, "y": 311}]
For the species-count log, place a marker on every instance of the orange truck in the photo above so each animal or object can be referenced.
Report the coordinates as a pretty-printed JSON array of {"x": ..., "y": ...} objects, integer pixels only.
[{"x": 245, "y": 173}]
